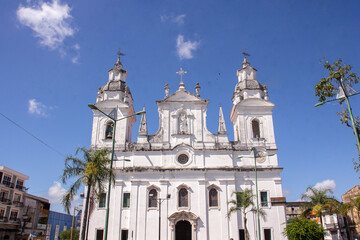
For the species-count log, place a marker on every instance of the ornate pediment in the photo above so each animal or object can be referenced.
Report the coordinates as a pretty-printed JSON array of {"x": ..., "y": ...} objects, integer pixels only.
[
  {"x": 183, "y": 96},
  {"x": 182, "y": 216}
]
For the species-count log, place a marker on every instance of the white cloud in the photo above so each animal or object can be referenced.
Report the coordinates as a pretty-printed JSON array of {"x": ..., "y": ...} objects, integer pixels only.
[
  {"x": 179, "y": 19},
  {"x": 185, "y": 48},
  {"x": 75, "y": 59},
  {"x": 37, "y": 108},
  {"x": 286, "y": 192},
  {"x": 56, "y": 193},
  {"x": 326, "y": 184},
  {"x": 50, "y": 22},
  {"x": 176, "y": 19}
]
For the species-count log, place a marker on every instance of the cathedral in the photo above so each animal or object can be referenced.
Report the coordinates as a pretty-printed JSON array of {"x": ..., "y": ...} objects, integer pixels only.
[{"x": 176, "y": 183}]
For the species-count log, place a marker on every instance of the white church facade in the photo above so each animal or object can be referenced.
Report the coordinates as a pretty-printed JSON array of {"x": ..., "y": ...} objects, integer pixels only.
[{"x": 183, "y": 176}]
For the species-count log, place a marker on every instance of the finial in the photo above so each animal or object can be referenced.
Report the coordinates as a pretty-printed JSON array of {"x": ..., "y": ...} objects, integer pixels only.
[
  {"x": 166, "y": 88},
  {"x": 245, "y": 62},
  {"x": 181, "y": 72},
  {"x": 197, "y": 89},
  {"x": 266, "y": 97},
  {"x": 181, "y": 86},
  {"x": 118, "y": 63}
]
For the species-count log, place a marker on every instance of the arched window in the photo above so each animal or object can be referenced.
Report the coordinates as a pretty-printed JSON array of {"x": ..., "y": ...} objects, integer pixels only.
[
  {"x": 255, "y": 128},
  {"x": 109, "y": 130},
  {"x": 213, "y": 198},
  {"x": 183, "y": 198},
  {"x": 153, "y": 198}
]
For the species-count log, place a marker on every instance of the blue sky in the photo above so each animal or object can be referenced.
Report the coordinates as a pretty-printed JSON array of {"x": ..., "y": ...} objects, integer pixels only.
[{"x": 55, "y": 55}]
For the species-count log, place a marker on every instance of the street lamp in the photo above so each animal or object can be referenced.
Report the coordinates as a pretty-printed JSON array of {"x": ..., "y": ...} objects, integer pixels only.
[
  {"x": 93, "y": 107},
  {"x": 72, "y": 224},
  {"x": 257, "y": 192},
  {"x": 160, "y": 200},
  {"x": 338, "y": 77}
]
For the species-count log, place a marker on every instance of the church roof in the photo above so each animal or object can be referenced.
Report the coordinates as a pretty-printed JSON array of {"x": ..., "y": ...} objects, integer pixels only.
[{"x": 251, "y": 84}]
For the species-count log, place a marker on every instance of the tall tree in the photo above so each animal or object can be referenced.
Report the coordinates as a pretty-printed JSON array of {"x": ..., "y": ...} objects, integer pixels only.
[
  {"x": 318, "y": 202},
  {"x": 244, "y": 203},
  {"x": 330, "y": 86},
  {"x": 92, "y": 170}
]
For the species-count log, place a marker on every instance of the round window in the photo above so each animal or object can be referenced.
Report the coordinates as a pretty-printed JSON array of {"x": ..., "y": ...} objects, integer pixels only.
[{"x": 183, "y": 158}]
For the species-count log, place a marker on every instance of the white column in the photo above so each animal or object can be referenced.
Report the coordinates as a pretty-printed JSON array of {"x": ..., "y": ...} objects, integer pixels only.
[
  {"x": 203, "y": 208},
  {"x": 133, "y": 210},
  {"x": 234, "y": 231},
  {"x": 223, "y": 204},
  {"x": 115, "y": 208},
  {"x": 164, "y": 208}
]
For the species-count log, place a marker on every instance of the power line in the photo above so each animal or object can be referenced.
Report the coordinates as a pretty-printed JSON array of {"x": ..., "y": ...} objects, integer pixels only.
[{"x": 32, "y": 135}]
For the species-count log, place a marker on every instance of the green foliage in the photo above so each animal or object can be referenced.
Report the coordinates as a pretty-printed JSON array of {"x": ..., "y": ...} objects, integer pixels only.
[
  {"x": 328, "y": 86},
  {"x": 65, "y": 235},
  {"x": 244, "y": 203},
  {"x": 303, "y": 229},
  {"x": 92, "y": 170},
  {"x": 318, "y": 201}
]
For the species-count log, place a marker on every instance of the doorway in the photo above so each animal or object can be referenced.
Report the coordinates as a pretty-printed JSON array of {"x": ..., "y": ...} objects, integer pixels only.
[{"x": 183, "y": 230}]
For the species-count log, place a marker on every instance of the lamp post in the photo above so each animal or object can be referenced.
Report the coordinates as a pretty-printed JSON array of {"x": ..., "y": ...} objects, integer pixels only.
[
  {"x": 93, "y": 107},
  {"x": 160, "y": 200},
  {"x": 338, "y": 77},
  {"x": 72, "y": 224},
  {"x": 257, "y": 191}
]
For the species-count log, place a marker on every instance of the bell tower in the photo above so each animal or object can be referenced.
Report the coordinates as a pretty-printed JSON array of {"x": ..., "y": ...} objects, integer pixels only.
[
  {"x": 251, "y": 112},
  {"x": 114, "y": 99}
]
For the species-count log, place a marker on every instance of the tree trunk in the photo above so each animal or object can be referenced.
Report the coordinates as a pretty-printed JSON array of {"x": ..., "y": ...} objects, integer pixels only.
[
  {"x": 247, "y": 237},
  {"x": 85, "y": 213}
]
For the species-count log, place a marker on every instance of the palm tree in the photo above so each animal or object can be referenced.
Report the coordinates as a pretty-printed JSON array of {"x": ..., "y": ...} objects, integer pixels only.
[
  {"x": 345, "y": 208},
  {"x": 244, "y": 203},
  {"x": 318, "y": 201},
  {"x": 93, "y": 171}
]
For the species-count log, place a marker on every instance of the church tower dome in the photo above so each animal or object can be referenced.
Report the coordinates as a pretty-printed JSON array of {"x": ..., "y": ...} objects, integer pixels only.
[{"x": 114, "y": 99}]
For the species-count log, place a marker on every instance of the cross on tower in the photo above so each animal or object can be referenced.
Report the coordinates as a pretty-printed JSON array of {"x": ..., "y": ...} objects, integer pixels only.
[
  {"x": 181, "y": 72},
  {"x": 245, "y": 53},
  {"x": 119, "y": 53}
]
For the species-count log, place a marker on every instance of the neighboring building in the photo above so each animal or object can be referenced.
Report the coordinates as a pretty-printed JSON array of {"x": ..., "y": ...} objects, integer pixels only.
[
  {"x": 57, "y": 223},
  {"x": 293, "y": 210},
  {"x": 21, "y": 213},
  {"x": 352, "y": 217},
  {"x": 197, "y": 169},
  {"x": 35, "y": 216},
  {"x": 12, "y": 193}
]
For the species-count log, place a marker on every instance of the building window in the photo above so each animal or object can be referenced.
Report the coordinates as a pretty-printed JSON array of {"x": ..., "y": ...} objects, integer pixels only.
[
  {"x": 267, "y": 234},
  {"x": 102, "y": 200},
  {"x": 264, "y": 199},
  {"x": 4, "y": 196},
  {"x": 13, "y": 215},
  {"x": 2, "y": 213},
  {"x": 124, "y": 234},
  {"x": 19, "y": 184},
  {"x": 126, "y": 200},
  {"x": 213, "y": 198},
  {"x": 17, "y": 198},
  {"x": 153, "y": 198},
  {"x": 183, "y": 198},
  {"x": 6, "y": 180},
  {"x": 241, "y": 234},
  {"x": 109, "y": 130},
  {"x": 183, "y": 158},
  {"x": 255, "y": 128},
  {"x": 99, "y": 234}
]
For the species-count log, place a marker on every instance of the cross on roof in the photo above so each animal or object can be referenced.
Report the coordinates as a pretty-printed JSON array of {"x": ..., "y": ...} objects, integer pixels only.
[{"x": 181, "y": 72}]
